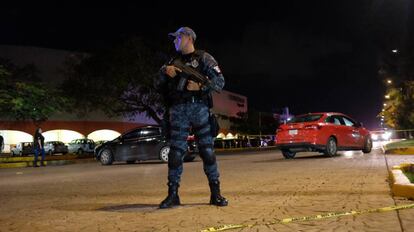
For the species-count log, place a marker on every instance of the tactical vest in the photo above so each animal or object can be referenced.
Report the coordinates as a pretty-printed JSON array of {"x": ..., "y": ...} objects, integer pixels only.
[{"x": 176, "y": 97}]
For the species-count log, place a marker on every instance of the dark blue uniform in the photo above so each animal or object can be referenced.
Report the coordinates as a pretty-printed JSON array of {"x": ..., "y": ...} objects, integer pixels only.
[{"x": 190, "y": 110}]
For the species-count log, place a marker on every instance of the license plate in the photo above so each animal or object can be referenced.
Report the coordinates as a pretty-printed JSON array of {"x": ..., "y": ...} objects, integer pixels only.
[{"x": 293, "y": 132}]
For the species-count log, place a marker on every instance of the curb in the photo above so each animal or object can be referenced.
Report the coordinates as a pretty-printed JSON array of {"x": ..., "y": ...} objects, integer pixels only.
[
  {"x": 47, "y": 158},
  {"x": 401, "y": 185},
  {"x": 46, "y": 163},
  {"x": 400, "y": 151}
]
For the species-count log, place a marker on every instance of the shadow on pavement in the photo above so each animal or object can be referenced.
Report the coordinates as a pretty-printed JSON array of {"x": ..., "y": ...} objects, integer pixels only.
[
  {"x": 120, "y": 163},
  {"x": 144, "y": 207},
  {"x": 296, "y": 158},
  {"x": 321, "y": 156}
]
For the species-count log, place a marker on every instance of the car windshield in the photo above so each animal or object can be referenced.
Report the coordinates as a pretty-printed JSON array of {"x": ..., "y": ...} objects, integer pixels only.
[{"x": 306, "y": 118}]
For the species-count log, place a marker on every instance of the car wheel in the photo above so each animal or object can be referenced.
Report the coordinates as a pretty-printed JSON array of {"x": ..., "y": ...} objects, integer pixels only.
[
  {"x": 106, "y": 157},
  {"x": 288, "y": 154},
  {"x": 80, "y": 152},
  {"x": 368, "y": 145},
  {"x": 130, "y": 161},
  {"x": 331, "y": 147},
  {"x": 164, "y": 153},
  {"x": 189, "y": 158}
]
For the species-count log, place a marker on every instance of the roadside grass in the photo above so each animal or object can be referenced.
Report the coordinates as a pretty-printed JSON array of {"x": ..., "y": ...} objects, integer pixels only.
[
  {"x": 410, "y": 176},
  {"x": 400, "y": 144}
]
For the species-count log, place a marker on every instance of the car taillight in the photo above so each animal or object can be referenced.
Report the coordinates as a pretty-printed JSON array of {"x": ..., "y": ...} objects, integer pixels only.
[{"x": 312, "y": 127}]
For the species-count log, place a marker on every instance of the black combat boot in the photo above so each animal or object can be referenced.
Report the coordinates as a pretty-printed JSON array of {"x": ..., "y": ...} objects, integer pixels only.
[
  {"x": 172, "y": 198},
  {"x": 216, "y": 198}
]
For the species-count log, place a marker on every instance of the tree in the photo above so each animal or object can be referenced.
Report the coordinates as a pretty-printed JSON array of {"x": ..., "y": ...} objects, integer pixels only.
[
  {"x": 23, "y": 97},
  {"x": 118, "y": 80},
  {"x": 398, "y": 110}
]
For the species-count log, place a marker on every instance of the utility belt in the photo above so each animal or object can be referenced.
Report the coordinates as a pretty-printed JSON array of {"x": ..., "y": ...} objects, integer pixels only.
[{"x": 192, "y": 99}]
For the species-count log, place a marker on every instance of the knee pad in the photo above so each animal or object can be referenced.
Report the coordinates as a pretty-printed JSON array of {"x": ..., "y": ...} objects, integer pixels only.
[
  {"x": 207, "y": 154},
  {"x": 175, "y": 158}
]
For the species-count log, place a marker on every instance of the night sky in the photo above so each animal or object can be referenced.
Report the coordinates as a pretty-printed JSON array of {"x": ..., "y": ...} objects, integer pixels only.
[{"x": 310, "y": 56}]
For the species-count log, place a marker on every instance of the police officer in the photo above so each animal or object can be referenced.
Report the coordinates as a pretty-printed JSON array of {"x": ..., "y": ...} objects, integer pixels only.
[{"x": 189, "y": 109}]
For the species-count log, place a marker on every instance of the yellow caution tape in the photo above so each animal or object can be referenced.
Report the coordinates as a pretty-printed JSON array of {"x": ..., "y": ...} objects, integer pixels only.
[{"x": 309, "y": 218}]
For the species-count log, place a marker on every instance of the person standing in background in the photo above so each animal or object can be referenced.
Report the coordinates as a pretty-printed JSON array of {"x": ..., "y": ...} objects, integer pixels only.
[{"x": 39, "y": 142}]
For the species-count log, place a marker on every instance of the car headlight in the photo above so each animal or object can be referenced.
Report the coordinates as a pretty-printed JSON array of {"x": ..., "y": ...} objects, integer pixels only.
[
  {"x": 374, "y": 137},
  {"x": 386, "y": 135}
]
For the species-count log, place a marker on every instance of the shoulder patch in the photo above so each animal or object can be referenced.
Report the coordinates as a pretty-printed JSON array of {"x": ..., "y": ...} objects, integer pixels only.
[{"x": 194, "y": 63}]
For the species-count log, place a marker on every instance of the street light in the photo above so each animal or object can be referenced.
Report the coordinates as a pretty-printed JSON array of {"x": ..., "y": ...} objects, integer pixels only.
[
  {"x": 389, "y": 81},
  {"x": 394, "y": 50},
  {"x": 385, "y": 104},
  {"x": 387, "y": 96}
]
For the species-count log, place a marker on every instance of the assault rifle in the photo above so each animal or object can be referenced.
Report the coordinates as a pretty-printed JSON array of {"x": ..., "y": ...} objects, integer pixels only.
[{"x": 189, "y": 73}]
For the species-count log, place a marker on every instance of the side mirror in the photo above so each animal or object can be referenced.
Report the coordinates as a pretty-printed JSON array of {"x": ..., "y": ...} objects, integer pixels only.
[{"x": 358, "y": 124}]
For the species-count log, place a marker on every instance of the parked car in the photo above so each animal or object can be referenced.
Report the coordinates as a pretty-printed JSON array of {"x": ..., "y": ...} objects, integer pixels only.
[
  {"x": 322, "y": 132},
  {"x": 81, "y": 146},
  {"x": 52, "y": 147},
  {"x": 23, "y": 148},
  {"x": 381, "y": 135},
  {"x": 142, "y": 143}
]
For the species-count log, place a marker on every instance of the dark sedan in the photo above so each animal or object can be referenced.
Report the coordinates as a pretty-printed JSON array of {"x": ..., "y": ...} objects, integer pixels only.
[{"x": 143, "y": 143}]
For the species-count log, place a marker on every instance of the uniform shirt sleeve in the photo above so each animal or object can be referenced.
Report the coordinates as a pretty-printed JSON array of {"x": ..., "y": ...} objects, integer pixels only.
[{"x": 212, "y": 70}]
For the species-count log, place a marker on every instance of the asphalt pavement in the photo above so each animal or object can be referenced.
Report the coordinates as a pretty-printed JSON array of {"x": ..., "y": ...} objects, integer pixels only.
[{"x": 261, "y": 187}]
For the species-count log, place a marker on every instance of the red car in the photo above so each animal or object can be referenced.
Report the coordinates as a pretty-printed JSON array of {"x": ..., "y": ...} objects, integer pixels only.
[{"x": 322, "y": 132}]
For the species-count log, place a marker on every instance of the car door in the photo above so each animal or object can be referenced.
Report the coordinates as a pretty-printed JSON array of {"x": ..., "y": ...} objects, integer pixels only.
[
  {"x": 83, "y": 144},
  {"x": 71, "y": 146},
  {"x": 353, "y": 133},
  {"x": 148, "y": 142},
  {"x": 76, "y": 145},
  {"x": 127, "y": 147},
  {"x": 338, "y": 129},
  {"x": 27, "y": 148},
  {"x": 90, "y": 146}
]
